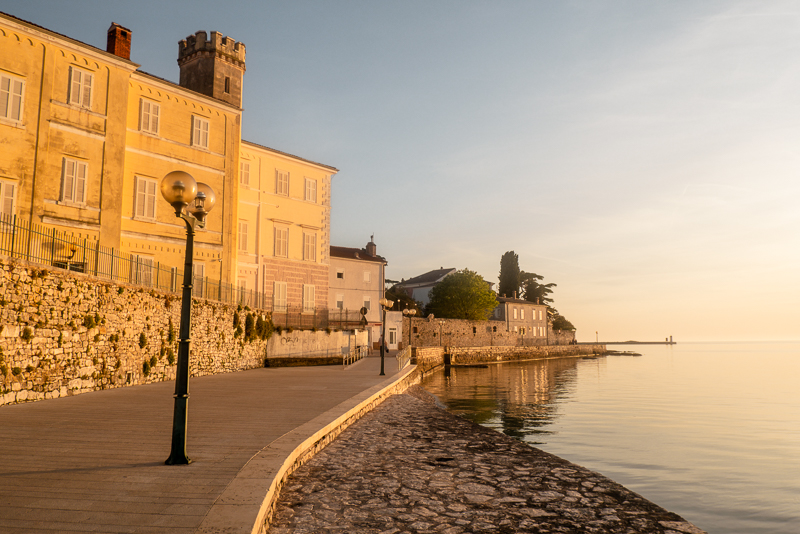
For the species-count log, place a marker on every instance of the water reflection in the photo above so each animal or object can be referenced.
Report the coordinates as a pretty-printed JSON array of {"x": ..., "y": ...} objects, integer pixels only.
[{"x": 519, "y": 399}]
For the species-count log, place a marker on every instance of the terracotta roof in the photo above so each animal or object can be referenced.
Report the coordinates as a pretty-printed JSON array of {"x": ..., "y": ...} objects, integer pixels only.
[{"x": 355, "y": 254}]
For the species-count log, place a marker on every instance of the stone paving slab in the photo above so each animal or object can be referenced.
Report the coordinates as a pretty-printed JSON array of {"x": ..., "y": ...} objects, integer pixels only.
[
  {"x": 95, "y": 462},
  {"x": 409, "y": 467}
]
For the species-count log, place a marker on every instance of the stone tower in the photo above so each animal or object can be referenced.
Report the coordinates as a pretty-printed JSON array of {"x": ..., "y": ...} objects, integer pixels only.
[{"x": 213, "y": 67}]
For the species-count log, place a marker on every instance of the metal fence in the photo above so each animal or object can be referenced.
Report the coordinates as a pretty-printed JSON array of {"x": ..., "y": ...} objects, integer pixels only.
[{"x": 58, "y": 249}]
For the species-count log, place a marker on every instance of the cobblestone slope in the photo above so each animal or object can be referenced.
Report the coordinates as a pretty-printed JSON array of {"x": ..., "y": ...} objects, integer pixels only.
[{"x": 410, "y": 467}]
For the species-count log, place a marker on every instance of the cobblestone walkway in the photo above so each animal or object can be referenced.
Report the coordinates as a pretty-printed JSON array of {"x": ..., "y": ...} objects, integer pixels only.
[{"x": 409, "y": 467}]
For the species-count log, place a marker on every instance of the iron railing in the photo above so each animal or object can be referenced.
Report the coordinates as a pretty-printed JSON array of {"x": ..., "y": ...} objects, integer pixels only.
[
  {"x": 354, "y": 355},
  {"x": 403, "y": 358},
  {"x": 44, "y": 245}
]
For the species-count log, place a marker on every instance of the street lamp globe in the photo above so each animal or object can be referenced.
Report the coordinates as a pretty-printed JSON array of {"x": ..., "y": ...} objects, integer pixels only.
[
  {"x": 178, "y": 188},
  {"x": 203, "y": 202}
]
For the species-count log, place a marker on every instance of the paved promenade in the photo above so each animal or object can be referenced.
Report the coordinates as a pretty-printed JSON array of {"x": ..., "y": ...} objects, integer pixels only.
[
  {"x": 408, "y": 467},
  {"x": 95, "y": 462}
]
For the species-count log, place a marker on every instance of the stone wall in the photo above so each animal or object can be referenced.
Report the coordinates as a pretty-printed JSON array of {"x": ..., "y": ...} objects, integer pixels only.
[
  {"x": 64, "y": 333},
  {"x": 462, "y": 333}
]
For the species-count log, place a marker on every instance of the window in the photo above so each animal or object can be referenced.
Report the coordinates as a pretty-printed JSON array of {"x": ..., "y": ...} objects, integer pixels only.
[
  {"x": 392, "y": 336},
  {"x": 366, "y": 277},
  {"x": 242, "y": 236},
  {"x": 308, "y": 298},
  {"x": 310, "y": 247},
  {"x": 516, "y": 329},
  {"x": 11, "y": 97},
  {"x": 142, "y": 272},
  {"x": 340, "y": 275},
  {"x": 311, "y": 190},
  {"x": 199, "y": 132},
  {"x": 279, "y": 297},
  {"x": 281, "y": 242},
  {"x": 73, "y": 181},
  {"x": 198, "y": 276},
  {"x": 244, "y": 173},
  {"x": 515, "y": 313},
  {"x": 340, "y": 301},
  {"x": 80, "y": 87},
  {"x": 540, "y": 315},
  {"x": 7, "y": 195},
  {"x": 228, "y": 84},
  {"x": 148, "y": 116},
  {"x": 522, "y": 315},
  {"x": 474, "y": 329},
  {"x": 367, "y": 303},
  {"x": 282, "y": 183},
  {"x": 522, "y": 330},
  {"x": 145, "y": 205}
]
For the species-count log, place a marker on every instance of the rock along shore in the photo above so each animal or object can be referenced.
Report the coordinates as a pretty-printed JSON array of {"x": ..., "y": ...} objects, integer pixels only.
[{"x": 409, "y": 467}]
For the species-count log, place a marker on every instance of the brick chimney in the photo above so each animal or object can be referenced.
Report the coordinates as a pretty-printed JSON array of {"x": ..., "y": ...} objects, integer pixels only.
[
  {"x": 119, "y": 41},
  {"x": 372, "y": 249}
]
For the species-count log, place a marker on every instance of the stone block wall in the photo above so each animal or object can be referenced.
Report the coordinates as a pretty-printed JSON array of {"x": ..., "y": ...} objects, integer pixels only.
[
  {"x": 64, "y": 333},
  {"x": 463, "y": 333}
]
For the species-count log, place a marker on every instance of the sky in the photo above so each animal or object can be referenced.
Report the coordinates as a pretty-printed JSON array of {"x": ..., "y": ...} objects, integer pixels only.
[{"x": 643, "y": 156}]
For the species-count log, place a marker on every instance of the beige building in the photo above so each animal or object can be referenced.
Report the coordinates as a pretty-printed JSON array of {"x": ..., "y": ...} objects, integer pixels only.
[
  {"x": 284, "y": 228},
  {"x": 527, "y": 319},
  {"x": 86, "y": 137},
  {"x": 357, "y": 280}
]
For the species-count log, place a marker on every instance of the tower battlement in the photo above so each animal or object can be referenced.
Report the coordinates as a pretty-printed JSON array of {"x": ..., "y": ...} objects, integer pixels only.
[{"x": 218, "y": 45}]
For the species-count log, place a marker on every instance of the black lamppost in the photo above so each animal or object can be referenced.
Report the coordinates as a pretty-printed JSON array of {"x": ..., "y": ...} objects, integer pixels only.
[
  {"x": 409, "y": 313},
  {"x": 192, "y": 201},
  {"x": 385, "y": 303}
]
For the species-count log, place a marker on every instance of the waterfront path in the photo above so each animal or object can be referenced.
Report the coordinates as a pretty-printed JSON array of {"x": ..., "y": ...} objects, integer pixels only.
[
  {"x": 409, "y": 467},
  {"x": 95, "y": 462}
]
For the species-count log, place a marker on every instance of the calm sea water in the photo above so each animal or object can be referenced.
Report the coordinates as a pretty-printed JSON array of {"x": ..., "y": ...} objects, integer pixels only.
[{"x": 710, "y": 431}]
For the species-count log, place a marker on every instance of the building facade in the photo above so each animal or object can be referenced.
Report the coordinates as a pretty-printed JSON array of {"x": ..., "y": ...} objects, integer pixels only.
[
  {"x": 525, "y": 318},
  {"x": 284, "y": 228},
  {"x": 357, "y": 280},
  {"x": 419, "y": 287},
  {"x": 87, "y": 138}
]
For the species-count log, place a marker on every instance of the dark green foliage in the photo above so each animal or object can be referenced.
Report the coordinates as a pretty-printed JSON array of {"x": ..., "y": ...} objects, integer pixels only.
[
  {"x": 142, "y": 340},
  {"x": 89, "y": 321},
  {"x": 402, "y": 301},
  {"x": 60, "y": 339},
  {"x": 533, "y": 291},
  {"x": 153, "y": 361},
  {"x": 509, "y": 274},
  {"x": 236, "y": 319},
  {"x": 3, "y": 369},
  {"x": 29, "y": 369},
  {"x": 249, "y": 327},
  {"x": 27, "y": 334},
  {"x": 171, "y": 332},
  {"x": 146, "y": 368},
  {"x": 561, "y": 323},
  {"x": 264, "y": 327},
  {"x": 16, "y": 371},
  {"x": 462, "y": 295},
  {"x": 121, "y": 290},
  {"x": 170, "y": 357}
]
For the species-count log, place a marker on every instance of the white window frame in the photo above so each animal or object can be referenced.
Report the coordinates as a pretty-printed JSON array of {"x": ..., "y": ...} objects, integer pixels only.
[
  {"x": 281, "y": 249},
  {"x": 282, "y": 183},
  {"x": 80, "y": 87},
  {"x": 149, "y": 114},
  {"x": 309, "y": 246},
  {"x": 368, "y": 303},
  {"x": 309, "y": 303},
  {"x": 311, "y": 190},
  {"x": 279, "y": 303},
  {"x": 367, "y": 277},
  {"x": 12, "y": 97},
  {"x": 8, "y": 199},
  {"x": 515, "y": 315},
  {"x": 242, "y": 247},
  {"x": 244, "y": 173},
  {"x": 74, "y": 178},
  {"x": 200, "y": 131},
  {"x": 145, "y": 206},
  {"x": 522, "y": 314}
]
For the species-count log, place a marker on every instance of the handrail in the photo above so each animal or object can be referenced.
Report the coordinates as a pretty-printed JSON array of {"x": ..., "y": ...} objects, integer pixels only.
[
  {"x": 354, "y": 355},
  {"x": 403, "y": 358}
]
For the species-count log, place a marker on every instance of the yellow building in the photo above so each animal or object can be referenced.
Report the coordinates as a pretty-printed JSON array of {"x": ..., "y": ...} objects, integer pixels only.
[
  {"x": 86, "y": 137},
  {"x": 283, "y": 228}
]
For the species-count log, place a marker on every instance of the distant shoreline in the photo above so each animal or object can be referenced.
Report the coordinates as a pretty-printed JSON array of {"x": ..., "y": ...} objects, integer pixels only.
[{"x": 629, "y": 343}]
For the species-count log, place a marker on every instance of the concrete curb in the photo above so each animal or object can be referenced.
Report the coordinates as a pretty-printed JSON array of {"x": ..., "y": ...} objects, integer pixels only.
[{"x": 246, "y": 506}]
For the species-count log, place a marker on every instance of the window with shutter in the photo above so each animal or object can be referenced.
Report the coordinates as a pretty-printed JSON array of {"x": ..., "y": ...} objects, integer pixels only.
[
  {"x": 199, "y": 132},
  {"x": 145, "y": 203},
  {"x": 80, "y": 91},
  {"x": 279, "y": 297},
  {"x": 282, "y": 183},
  {"x": 308, "y": 298},
  {"x": 281, "y": 242},
  {"x": 148, "y": 116},
  {"x": 7, "y": 197},
  {"x": 73, "y": 181},
  {"x": 244, "y": 173},
  {"x": 11, "y": 97}
]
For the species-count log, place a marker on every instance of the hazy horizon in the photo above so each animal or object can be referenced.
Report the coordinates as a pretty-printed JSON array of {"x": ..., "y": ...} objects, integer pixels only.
[{"x": 643, "y": 156}]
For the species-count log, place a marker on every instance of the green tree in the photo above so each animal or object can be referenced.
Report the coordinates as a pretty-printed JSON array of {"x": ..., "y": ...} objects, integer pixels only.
[
  {"x": 509, "y": 274},
  {"x": 533, "y": 291},
  {"x": 401, "y": 300},
  {"x": 561, "y": 323},
  {"x": 462, "y": 295}
]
